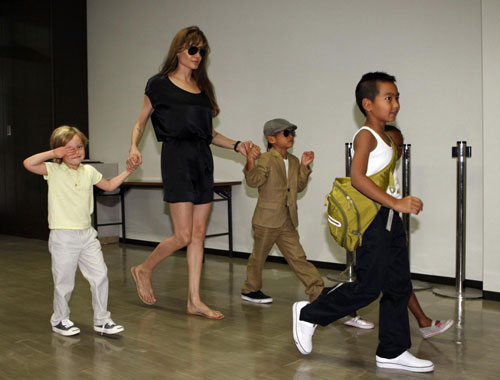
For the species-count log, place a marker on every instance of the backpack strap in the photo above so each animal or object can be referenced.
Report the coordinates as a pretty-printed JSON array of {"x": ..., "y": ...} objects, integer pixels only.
[
  {"x": 392, "y": 164},
  {"x": 385, "y": 177}
]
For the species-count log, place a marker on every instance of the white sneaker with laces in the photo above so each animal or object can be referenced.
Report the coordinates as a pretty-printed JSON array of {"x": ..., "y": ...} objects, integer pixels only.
[
  {"x": 359, "y": 322},
  {"x": 302, "y": 331},
  {"x": 66, "y": 328},
  {"x": 406, "y": 362},
  {"x": 109, "y": 328}
]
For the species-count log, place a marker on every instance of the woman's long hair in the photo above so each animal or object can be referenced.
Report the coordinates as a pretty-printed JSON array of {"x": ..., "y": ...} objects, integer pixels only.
[{"x": 186, "y": 37}]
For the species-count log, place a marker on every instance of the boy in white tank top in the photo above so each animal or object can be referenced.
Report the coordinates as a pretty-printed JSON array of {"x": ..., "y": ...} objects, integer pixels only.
[{"x": 382, "y": 259}]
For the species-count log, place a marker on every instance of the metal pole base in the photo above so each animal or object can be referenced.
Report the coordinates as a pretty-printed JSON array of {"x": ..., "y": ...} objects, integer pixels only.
[
  {"x": 347, "y": 275},
  {"x": 420, "y": 285},
  {"x": 453, "y": 293}
]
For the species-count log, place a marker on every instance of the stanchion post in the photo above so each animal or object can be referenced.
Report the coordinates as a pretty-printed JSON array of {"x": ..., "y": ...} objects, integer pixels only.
[
  {"x": 461, "y": 152},
  {"x": 406, "y": 187},
  {"x": 348, "y": 274},
  {"x": 417, "y": 285}
]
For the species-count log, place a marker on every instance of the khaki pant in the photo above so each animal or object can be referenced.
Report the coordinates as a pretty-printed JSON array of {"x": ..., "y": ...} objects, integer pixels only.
[
  {"x": 287, "y": 239},
  {"x": 71, "y": 249}
]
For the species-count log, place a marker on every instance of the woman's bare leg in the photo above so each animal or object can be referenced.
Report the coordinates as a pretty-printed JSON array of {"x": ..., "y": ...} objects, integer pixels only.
[
  {"x": 195, "y": 263},
  {"x": 181, "y": 214}
]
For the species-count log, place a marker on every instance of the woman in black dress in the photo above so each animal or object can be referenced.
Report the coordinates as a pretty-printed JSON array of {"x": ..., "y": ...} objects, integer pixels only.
[{"x": 181, "y": 103}]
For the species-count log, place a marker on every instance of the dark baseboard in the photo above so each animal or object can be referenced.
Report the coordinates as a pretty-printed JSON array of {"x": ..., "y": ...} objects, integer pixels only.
[
  {"x": 143, "y": 243},
  {"x": 494, "y": 296},
  {"x": 446, "y": 280},
  {"x": 336, "y": 266}
]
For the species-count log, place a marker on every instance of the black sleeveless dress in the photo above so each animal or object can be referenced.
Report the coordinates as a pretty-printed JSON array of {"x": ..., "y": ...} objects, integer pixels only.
[{"x": 183, "y": 122}]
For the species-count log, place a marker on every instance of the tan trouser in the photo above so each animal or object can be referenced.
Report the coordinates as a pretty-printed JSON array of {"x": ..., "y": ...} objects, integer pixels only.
[
  {"x": 287, "y": 239},
  {"x": 78, "y": 248}
]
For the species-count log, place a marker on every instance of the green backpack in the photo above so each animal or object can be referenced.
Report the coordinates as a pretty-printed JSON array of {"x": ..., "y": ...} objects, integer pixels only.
[{"x": 349, "y": 212}]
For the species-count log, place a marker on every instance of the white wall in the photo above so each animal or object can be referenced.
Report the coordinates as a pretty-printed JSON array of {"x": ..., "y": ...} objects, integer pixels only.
[
  {"x": 491, "y": 136},
  {"x": 301, "y": 60}
]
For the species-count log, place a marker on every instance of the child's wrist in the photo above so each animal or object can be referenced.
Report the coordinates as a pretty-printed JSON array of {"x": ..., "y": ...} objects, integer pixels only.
[{"x": 393, "y": 202}]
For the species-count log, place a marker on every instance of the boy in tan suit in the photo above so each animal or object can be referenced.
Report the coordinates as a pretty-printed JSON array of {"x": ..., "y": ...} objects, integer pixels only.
[{"x": 279, "y": 176}]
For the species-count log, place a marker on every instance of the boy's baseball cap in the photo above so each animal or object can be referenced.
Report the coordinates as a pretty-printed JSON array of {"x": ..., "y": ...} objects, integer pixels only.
[{"x": 275, "y": 126}]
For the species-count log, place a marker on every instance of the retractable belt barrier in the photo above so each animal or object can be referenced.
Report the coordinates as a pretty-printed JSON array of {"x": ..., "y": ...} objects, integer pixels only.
[
  {"x": 417, "y": 285},
  {"x": 461, "y": 152}
]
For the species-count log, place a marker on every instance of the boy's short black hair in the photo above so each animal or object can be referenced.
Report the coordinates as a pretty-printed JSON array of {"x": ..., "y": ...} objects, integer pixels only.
[{"x": 367, "y": 87}]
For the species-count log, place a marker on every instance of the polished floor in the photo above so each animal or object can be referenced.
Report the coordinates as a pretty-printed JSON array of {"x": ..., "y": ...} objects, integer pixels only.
[{"x": 252, "y": 342}]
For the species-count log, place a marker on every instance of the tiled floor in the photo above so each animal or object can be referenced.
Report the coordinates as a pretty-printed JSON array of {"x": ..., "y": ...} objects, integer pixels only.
[{"x": 252, "y": 342}]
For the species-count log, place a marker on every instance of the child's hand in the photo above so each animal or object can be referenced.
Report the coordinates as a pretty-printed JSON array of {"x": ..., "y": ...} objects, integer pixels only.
[
  {"x": 252, "y": 154},
  {"x": 132, "y": 166},
  {"x": 255, "y": 152},
  {"x": 409, "y": 204},
  {"x": 134, "y": 159},
  {"x": 307, "y": 158},
  {"x": 63, "y": 151}
]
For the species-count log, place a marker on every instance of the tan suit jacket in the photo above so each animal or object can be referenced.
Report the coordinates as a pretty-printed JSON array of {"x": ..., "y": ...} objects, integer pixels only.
[{"x": 275, "y": 189}]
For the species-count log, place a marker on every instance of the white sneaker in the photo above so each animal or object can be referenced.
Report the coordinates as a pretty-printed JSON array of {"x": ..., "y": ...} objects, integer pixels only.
[
  {"x": 302, "y": 331},
  {"x": 109, "y": 328},
  {"x": 66, "y": 328},
  {"x": 359, "y": 322},
  {"x": 406, "y": 362}
]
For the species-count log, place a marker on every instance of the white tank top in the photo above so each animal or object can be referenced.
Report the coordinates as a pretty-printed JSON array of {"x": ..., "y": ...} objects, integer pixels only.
[{"x": 380, "y": 157}]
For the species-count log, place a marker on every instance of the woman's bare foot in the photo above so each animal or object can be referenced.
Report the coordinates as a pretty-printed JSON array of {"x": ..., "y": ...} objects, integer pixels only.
[
  {"x": 203, "y": 310},
  {"x": 142, "y": 280}
]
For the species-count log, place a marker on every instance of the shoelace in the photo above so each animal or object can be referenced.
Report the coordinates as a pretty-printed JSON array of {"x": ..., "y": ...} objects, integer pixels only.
[
  {"x": 110, "y": 323},
  {"x": 67, "y": 323}
]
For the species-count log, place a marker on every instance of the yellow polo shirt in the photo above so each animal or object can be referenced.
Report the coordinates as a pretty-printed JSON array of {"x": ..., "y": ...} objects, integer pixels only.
[{"x": 70, "y": 199}]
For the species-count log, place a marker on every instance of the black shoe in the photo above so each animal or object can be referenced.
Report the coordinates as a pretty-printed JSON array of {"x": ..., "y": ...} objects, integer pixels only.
[{"x": 256, "y": 297}]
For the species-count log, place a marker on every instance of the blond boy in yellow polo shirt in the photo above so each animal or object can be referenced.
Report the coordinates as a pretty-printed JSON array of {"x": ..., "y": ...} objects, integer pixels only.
[{"x": 72, "y": 240}]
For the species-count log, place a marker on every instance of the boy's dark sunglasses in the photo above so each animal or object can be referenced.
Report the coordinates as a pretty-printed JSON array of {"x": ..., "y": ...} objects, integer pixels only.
[
  {"x": 194, "y": 49},
  {"x": 288, "y": 132}
]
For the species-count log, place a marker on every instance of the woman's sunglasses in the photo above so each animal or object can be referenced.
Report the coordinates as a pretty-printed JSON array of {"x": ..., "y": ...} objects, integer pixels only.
[
  {"x": 195, "y": 49},
  {"x": 288, "y": 132}
]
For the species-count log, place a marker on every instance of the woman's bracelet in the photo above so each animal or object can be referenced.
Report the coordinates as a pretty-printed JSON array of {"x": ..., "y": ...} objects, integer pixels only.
[{"x": 236, "y": 145}]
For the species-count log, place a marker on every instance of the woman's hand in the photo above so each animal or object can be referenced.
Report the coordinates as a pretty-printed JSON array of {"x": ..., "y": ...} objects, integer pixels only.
[
  {"x": 244, "y": 147},
  {"x": 134, "y": 158}
]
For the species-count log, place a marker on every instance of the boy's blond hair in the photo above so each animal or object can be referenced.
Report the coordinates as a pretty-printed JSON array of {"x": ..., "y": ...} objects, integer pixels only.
[{"x": 63, "y": 135}]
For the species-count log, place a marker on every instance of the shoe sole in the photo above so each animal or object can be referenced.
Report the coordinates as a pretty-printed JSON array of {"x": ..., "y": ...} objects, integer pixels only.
[
  {"x": 295, "y": 334},
  {"x": 66, "y": 333},
  {"x": 363, "y": 327},
  {"x": 108, "y": 332},
  {"x": 263, "y": 300},
  {"x": 404, "y": 367},
  {"x": 437, "y": 332}
]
